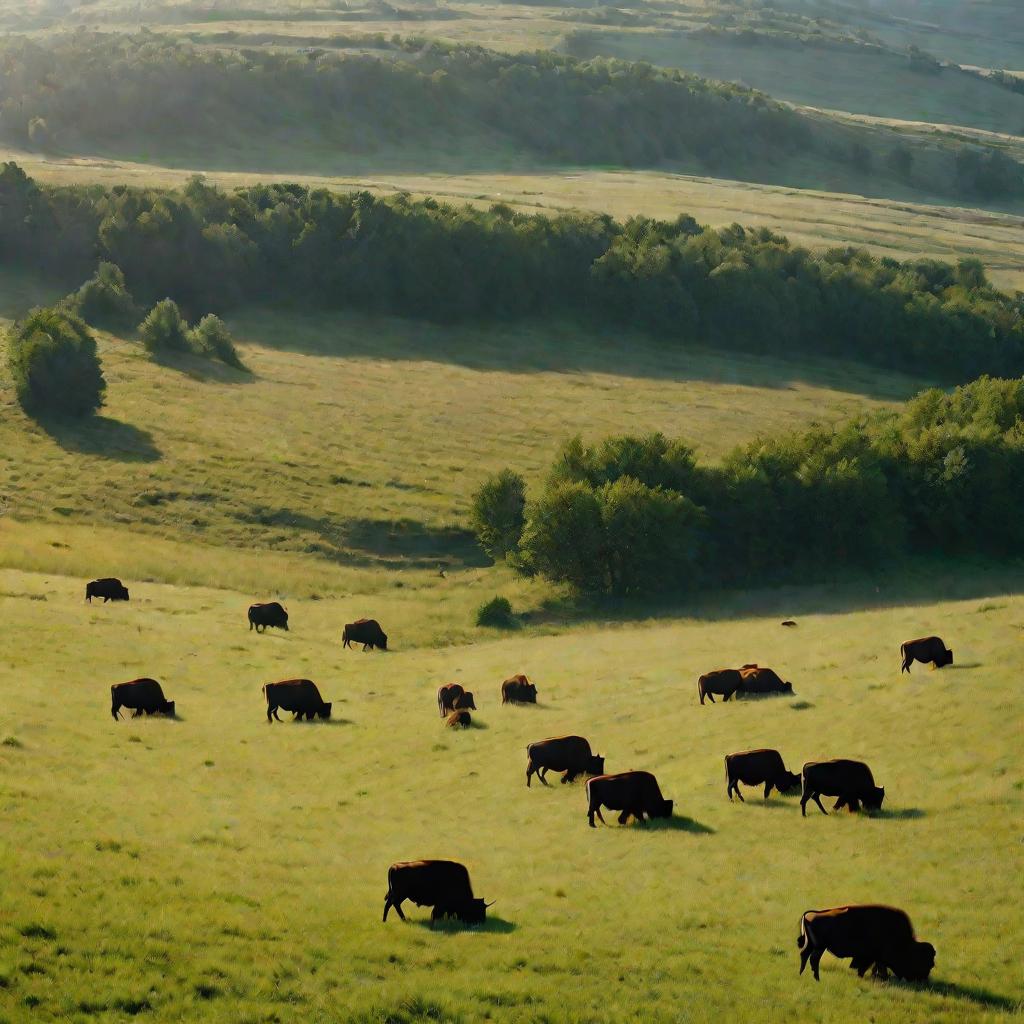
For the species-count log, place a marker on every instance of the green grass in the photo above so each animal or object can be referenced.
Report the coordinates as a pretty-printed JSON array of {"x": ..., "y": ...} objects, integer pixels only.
[{"x": 219, "y": 869}]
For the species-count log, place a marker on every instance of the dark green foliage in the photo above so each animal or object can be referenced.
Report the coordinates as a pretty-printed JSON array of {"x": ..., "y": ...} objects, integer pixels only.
[
  {"x": 54, "y": 364},
  {"x": 211, "y": 338},
  {"x": 945, "y": 475},
  {"x": 497, "y": 513},
  {"x": 164, "y": 329},
  {"x": 730, "y": 287},
  {"x": 497, "y": 613},
  {"x": 104, "y": 300}
]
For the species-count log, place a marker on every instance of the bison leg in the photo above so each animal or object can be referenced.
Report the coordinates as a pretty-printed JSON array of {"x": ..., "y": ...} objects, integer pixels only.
[
  {"x": 595, "y": 809},
  {"x": 804, "y": 955},
  {"x": 736, "y": 789},
  {"x": 817, "y": 799},
  {"x": 137, "y": 713},
  {"x": 767, "y": 789},
  {"x": 839, "y": 804},
  {"x": 116, "y": 711},
  {"x": 881, "y": 972},
  {"x": 529, "y": 773},
  {"x": 569, "y": 776},
  {"x": 853, "y": 804},
  {"x": 815, "y": 958},
  {"x": 623, "y": 817}
]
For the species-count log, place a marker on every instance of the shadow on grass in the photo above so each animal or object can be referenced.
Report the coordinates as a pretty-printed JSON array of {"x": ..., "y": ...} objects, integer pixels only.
[
  {"x": 103, "y": 437},
  {"x": 493, "y": 925},
  {"x": 969, "y": 993},
  {"x": 959, "y": 668},
  {"x": 899, "y": 814},
  {"x": 678, "y": 823},
  {"x": 201, "y": 369}
]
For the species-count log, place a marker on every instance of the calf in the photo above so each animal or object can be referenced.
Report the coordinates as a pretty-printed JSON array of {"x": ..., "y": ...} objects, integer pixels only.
[
  {"x": 850, "y": 781},
  {"x": 570, "y": 755},
  {"x": 723, "y": 681},
  {"x": 754, "y": 767},
  {"x": 869, "y": 934},
  {"x": 459, "y": 720}
]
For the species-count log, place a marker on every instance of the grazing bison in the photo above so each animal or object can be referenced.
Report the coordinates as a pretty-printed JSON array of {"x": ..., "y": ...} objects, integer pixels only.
[
  {"x": 850, "y": 781},
  {"x": 441, "y": 884},
  {"x": 300, "y": 696},
  {"x": 870, "y": 935},
  {"x": 446, "y": 696},
  {"x": 518, "y": 690},
  {"x": 141, "y": 695},
  {"x": 723, "y": 681},
  {"x": 632, "y": 793},
  {"x": 459, "y": 720},
  {"x": 366, "y": 632},
  {"x": 464, "y": 701},
  {"x": 109, "y": 589},
  {"x": 570, "y": 755},
  {"x": 754, "y": 767},
  {"x": 927, "y": 649},
  {"x": 271, "y": 614},
  {"x": 762, "y": 680},
  {"x": 788, "y": 622}
]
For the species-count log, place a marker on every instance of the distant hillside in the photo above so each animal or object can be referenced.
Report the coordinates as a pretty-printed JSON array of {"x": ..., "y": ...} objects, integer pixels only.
[{"x": 430, "y": 106}]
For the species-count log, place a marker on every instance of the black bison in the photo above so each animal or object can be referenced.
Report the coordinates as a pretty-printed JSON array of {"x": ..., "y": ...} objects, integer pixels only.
[
  {"x": 441, "y": 884},
  {"x": 300, "y": 696},
  {"x": 366, "y": 632},
  {"x": 140, "y": 695},
  {"x": 929, "y": 649},
  {"x": 632, "y": 793},
  {"x": 788, "y": 622},
  {"x": 757, "y": 679},
  {"x": 518, "y": 690},
  {"x": 271, "y": 614},
  {"x": 446, "y": 696},
  {"x": 464, "y": 701},
  {"x": 850, "y": 781},
  {"x": 723, "y": 681},
  {"x": 109, "y": 589},
  {"x": 754, "y": 767},
  {"x": 459, "y": 720},
  {"x": 870, "y": 935},
  {"x": 570, "y": 755}
]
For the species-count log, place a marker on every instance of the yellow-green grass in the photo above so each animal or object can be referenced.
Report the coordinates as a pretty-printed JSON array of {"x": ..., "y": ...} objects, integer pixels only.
[
  {"x": 816, "y": 219},
  {"x": 217, "y": 868}
]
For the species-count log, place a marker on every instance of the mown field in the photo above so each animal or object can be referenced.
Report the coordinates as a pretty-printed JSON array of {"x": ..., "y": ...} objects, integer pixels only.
[{"x": 219, "y": 868}]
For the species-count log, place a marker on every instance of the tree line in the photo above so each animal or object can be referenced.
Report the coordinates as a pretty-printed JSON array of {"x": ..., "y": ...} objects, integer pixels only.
[
  {"x": 732, "y": 287},
  {"x": 639, "y": 516}
]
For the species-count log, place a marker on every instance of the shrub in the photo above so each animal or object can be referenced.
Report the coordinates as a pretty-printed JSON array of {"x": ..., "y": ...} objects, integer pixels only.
[
  {"x": 164, "y": 329},
  {"x": 54, "y": 364},
  {"x": 498, "y": 513},
  {"x": 211, "y": 338},
  {"x": 497, "y": 612},
  {"x": 104, "y": 299}
]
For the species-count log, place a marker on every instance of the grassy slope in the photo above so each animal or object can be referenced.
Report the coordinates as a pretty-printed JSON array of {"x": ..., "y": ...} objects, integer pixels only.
[{"x": 219, "y": 869}]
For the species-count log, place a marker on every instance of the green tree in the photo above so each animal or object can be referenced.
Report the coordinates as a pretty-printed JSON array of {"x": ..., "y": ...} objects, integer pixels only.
[
  {"x": 211, "y": 338},
  {"x": 54, "y": 364},
  {"x": 165, "y": 329},
  {"x": 104, "y": 299},
  {"x": 563, "y": 539},
  {"x": 497, "y": 513}
]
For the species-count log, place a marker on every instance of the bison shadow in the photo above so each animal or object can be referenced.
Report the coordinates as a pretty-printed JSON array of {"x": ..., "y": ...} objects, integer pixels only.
[
  {"x": 493, "y": 925},
  {"x": 678, "y": 823},
  {"x": 899, "y": 813},
  {"x": 103, "y": 437},
  {"x": 960, "y": 667},
  {"x": 969, "y": 993}
]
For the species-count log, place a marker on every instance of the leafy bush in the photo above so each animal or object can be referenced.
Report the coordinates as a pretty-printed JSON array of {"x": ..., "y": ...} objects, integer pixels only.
[
  {"x": 164, "y": 329},
  {"x": 104, "y": 299},
  {"x": 211, "y": 338},
  {"x": 497, "y": 513},
  {"x": 55, "y": 365},
  {"x": 497, "y": 613}
]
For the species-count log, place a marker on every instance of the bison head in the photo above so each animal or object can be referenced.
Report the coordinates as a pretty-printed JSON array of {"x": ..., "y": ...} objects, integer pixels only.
[
  {"x": 383, "y": 640},
  {"x": 595, "y": 766},
  {"x": 325, "y": 710},
  {"x": 530, "y": 693},
  {"x": 465, "y": 700},
  {"x": 472, "y": 911},
  {"x": 787, "y": 687},
  {"x": 664, "y": 810},
  {"x": 123, "y": 595},
  {"x": 787, "y": 781},
  {"x": 874, "y": 797},
  {"x": 168, "y": 708},
  {"x": 945, "y": 659},
  {"x": 915, "y": 962}
]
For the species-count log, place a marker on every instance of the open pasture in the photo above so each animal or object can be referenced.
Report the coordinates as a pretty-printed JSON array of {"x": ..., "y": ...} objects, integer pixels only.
[{"x": 219, "y": 868}]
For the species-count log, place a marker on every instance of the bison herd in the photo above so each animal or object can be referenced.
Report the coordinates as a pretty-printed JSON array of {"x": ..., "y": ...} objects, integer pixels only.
[{"x": 872, "y": 936}]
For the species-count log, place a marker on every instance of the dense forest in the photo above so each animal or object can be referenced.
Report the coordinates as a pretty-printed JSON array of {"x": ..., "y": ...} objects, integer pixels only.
[
  {"x": 116, "y": 94},
  {"x": 639, "y": 515},
  {"x": 732, "y": 287}
]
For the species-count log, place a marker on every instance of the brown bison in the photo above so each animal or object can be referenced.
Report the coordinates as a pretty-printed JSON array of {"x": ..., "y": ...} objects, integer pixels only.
[
  {"x": 518, "y": 690},
  {"x": 757, "y": 679},
  {"x": 723, "y": 681},
  {"x": 632, "y": 793},
  {"x": 446, "y": 696},
  {"x": 271, "y": 614},
  {"x": 464, "y": 701},
  {"x": 441, "y": 884},
  {"x": 300, "y": 696},
  {"x": 459, "y": 720},
  {"x": 109, "y": 589},
  {"x": 570, "y": 755},
  {"x": 929, "y": 649},
  {"x": 870, "y": 935},
  {"x": 754, "y": 767},
  {"x": 141, "y": 695},
  {"x": 366, "y": 632},
  {"x": 850, "y": 781}
]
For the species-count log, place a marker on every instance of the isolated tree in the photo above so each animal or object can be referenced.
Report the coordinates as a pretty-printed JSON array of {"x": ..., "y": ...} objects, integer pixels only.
[
  {"x": 54, "y": 364},
  {"x": 498, "y": 513},
  {"x": 165, "y": 329},
  {"x": 211, "y": 338}
]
